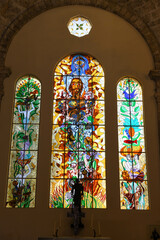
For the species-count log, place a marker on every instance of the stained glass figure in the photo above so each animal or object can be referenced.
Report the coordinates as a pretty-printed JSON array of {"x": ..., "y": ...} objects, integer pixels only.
[
  {"x": 24, "y": 144},
  {"x": 132, "y": 157},
  {"x": 79, "y": 26},
  {"x": 78, "y": 136}
]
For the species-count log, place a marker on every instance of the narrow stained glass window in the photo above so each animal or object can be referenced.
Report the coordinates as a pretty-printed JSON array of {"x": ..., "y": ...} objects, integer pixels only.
[
  {"x": 78, "y": 137},
  {"x": 24, "y": 144},
  {"x": 132, "y": 156}
]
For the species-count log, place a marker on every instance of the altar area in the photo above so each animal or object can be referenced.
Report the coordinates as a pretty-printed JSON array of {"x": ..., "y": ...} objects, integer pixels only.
[{"x": 77, "y": 238}]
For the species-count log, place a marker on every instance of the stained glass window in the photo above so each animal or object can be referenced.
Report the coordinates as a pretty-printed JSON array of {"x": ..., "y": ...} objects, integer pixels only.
[
  {"x": 78, "y": 133},
  {"x": 132, "y": 157},
  {"x": 79, "y": 26},
  {"x": 24, "y": 144}
]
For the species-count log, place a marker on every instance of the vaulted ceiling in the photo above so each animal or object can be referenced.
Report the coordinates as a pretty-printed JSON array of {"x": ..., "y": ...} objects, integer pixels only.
[{"x": 144, "y": 15}]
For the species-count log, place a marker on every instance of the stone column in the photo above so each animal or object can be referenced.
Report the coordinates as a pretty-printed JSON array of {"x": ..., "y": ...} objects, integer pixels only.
[
  {"x": 4, "y": 73},
  {"x": 155, "y": 76}
]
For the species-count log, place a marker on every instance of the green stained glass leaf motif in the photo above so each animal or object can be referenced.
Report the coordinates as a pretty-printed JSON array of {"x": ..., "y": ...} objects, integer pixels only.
[
  {"x": 132, "y": 157},
  {"x": 24, "y": 144}
]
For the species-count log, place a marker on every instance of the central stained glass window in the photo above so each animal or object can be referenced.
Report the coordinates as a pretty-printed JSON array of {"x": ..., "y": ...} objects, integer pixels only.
[{"x": 78, "y": 133}]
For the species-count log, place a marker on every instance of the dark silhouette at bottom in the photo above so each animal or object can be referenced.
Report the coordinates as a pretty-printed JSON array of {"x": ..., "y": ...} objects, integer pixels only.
[{"x": 77, "y": 193}]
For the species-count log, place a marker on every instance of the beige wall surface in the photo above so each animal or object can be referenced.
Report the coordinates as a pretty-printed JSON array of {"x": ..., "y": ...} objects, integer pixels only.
[{"x": 121, "y": 51}]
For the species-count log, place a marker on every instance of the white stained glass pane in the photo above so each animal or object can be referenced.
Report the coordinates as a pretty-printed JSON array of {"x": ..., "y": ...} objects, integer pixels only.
[{"x": 79, "y": 26}]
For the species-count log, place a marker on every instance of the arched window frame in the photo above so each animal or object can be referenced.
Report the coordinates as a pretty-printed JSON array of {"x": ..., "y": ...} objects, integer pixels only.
[
  {"x": 131, "y": 139},
  {"x": 24, "y": 143},
  {"x": 60, "y": 187}
]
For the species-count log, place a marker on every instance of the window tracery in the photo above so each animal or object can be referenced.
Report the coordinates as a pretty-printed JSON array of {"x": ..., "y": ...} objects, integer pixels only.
[{"x": 79, "y": 26}]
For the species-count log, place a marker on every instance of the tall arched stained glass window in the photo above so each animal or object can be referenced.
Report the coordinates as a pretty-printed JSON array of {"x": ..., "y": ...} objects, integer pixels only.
[
  {"x": 78, "y": 137},
  {"x": 24, "y": 144},
  {"x": 132, "y": 156}
]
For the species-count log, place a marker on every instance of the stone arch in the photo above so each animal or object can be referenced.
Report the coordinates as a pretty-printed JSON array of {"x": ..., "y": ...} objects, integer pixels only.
[{"x": 43, "y": 5}]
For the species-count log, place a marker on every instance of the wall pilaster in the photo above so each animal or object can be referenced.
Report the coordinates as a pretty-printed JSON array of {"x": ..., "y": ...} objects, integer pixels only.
[
  {"x": 4, "y": 73},
  {"x": 155, "y": 76}
]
